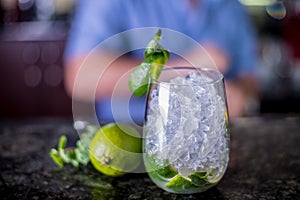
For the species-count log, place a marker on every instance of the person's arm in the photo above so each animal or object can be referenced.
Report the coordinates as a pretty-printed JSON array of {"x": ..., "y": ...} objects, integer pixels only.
[
  {"x": 93, "y": 22},
  {"x": 82, "y": 74}
]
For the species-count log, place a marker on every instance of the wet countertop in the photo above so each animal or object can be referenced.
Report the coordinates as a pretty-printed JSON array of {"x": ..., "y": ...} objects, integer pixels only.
[{"x": 264, "y": 164}]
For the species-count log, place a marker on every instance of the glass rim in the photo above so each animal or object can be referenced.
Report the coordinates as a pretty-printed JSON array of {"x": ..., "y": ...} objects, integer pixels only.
[{"x": 219, "y": 76}]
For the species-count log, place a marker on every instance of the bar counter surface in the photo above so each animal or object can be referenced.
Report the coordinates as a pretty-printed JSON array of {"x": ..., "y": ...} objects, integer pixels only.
[{"x": 264, "y": 164}]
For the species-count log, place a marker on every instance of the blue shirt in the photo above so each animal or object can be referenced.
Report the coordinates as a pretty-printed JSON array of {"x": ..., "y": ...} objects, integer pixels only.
[{"x": 224, "y": 23}]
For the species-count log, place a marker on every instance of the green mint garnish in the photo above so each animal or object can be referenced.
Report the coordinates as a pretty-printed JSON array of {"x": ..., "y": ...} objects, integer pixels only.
[
  {"x": 155, "y": 59},
  {"x": 76, "y": 155}
]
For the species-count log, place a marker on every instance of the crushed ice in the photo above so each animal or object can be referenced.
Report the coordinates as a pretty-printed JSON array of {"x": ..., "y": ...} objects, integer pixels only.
[{"x": 187, "y": 126}]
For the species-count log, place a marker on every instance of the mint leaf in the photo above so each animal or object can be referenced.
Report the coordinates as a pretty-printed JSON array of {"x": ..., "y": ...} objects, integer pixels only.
[
  {"x": 62, "y": 142},
  {"x": 139, "y": 79},
  {"x": 195, "y": 180},
  {"x": 167, "y": 171},
  {"x": 179, "y": 183},
  {"x": 199, "y": 178},
  {"x": 56, "y": 157}
]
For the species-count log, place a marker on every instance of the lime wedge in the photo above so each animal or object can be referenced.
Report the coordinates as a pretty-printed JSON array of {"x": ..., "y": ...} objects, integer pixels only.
[{"x": 116, "y": 149}]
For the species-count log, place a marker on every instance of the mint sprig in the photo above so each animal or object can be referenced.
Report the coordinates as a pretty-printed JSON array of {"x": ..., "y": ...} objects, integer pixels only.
[
  {"x": 75, "y": 155},
  {"x": 155, "y": 59}
]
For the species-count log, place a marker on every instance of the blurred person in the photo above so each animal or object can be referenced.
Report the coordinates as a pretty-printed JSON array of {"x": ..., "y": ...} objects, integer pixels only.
[{"x": 222, "y": 27}]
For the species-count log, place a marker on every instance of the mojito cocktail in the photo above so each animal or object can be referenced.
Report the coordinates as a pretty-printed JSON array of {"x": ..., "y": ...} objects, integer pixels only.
[{"x": 186, "y": 136}]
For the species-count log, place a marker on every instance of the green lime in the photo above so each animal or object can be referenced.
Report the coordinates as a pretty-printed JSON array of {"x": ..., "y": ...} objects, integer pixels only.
[{"x": 116, "y": 149}]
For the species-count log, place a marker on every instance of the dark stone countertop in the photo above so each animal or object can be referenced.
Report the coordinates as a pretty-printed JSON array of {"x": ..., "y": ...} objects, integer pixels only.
[{"x": 264, "y": 164}]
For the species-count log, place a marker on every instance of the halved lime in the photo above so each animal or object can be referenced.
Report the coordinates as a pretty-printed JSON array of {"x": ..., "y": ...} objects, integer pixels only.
[{"x": 116, "y": 149}]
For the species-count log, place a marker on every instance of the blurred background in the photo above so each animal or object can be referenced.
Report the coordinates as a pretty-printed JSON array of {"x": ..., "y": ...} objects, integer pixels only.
[{"x": 33, "y": 34}]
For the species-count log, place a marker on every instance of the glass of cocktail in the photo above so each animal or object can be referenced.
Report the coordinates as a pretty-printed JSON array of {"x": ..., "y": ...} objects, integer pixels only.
[{"x": 186, "y": 136}]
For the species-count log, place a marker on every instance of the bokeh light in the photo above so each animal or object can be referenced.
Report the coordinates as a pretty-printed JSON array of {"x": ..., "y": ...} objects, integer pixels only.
[
  {"x": 276, "y": 10},
  {"x": 25, "y": 4},
  {"x": 32, "y": 76}
]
